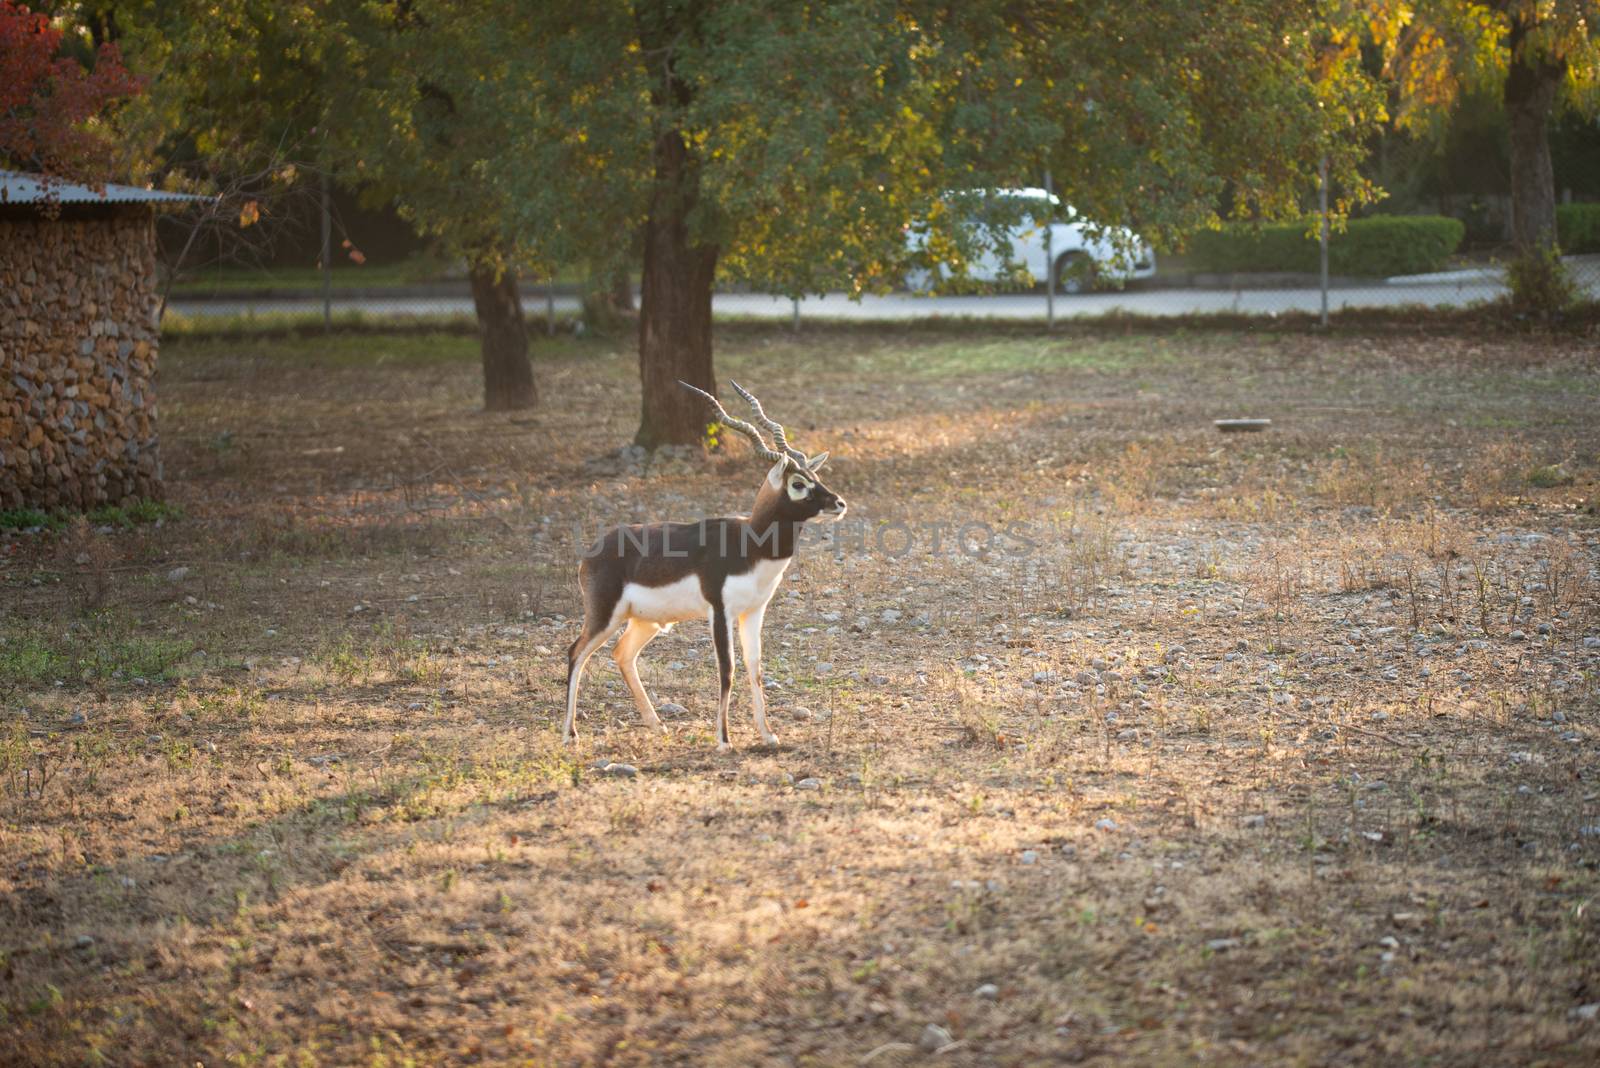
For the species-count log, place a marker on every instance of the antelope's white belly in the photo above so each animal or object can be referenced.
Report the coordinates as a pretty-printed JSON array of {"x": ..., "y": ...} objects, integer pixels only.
[
  {"x": 672, "y": 603},
  {"x": 682, "y": 600},
  {"x": 754, "y": 588}
]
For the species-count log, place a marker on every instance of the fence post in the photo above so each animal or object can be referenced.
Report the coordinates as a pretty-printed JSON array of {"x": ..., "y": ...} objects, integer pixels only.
[
  {"x": 327, "y": 257},
  {"x": 1322, "y": 197},
  {"x": 1049, "y": 255},
  {"x": 794, "y": 323},
  {"x": 550, "y": 306}
]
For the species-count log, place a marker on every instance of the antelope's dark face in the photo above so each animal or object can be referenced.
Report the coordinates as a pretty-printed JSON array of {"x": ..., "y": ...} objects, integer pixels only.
[{"x": 801, "y": 494}]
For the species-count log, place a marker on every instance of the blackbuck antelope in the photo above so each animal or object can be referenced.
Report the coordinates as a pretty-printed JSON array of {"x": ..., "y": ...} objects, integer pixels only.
[{"x": 723, "y": 570}]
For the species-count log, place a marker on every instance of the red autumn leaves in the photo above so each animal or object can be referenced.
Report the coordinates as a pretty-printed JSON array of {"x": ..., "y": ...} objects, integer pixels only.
[{"x": 52, "y": 106}]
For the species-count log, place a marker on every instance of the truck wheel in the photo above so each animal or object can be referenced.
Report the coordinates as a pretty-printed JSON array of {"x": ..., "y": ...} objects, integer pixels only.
[{"x": 1075, "y": 273}]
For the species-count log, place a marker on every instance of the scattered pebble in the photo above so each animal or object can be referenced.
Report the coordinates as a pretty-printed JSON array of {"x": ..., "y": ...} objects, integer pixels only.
[
  {"x": 1030, "y": 856},
  {"x": 177, "y": 574},
  {"x": 808, "y": 784},
  {"x": 619, "y": 771},
  {"x": 1106, "y": 824},
  {"x": 934, "y": 1038},
  {"x": 988, "y": 992},
  {"x": 671, "y": 709},
  {"x": 1222, "y": 945},
  {"x": 83, "y": 941},
  {"x": 1586, "y": 1013},
  {"x": 1254, "y": 822}
]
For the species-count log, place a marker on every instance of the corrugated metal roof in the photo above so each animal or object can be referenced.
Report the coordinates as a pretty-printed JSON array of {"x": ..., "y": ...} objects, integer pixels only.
[{"x": 19, "y": 188}]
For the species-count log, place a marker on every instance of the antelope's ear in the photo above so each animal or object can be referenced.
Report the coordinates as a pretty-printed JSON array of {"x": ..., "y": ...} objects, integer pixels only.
[
  {"x": 775, "y": 476},
  {"x": 816, "y": 462}
]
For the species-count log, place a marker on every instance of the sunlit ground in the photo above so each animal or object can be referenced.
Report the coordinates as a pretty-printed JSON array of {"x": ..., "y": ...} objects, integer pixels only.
[{"x": 1267, "y": 749}]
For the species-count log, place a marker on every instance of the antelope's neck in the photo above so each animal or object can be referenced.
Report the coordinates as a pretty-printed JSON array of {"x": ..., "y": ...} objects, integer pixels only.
[{"x": 772, "y": 538}]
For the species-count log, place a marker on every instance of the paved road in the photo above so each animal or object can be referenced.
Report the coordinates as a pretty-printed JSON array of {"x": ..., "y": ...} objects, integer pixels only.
[{"x": 1456, "y": 289}]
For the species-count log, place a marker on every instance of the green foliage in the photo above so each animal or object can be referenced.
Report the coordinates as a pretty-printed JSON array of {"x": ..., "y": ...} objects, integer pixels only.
[
  {"x": 815, "y": 132},
  {"x": 1578, "y": 227},
  {"x": 1540, "y": 283},
  {"x": 1379, "y": 246}
]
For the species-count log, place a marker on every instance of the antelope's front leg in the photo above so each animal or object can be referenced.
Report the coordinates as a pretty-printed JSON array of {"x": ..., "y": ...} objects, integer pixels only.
[
  {"x": 722, "y": 633},
  {"x": 750, "y": 646}
]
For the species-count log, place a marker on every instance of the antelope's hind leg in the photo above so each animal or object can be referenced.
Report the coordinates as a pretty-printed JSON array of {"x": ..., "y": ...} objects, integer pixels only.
[
  {"x": 638, "y": 635},
  {"x": 578, "y": 654}
]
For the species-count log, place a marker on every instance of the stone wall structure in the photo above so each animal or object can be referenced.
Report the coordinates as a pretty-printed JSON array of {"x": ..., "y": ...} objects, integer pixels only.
[{"x": 79, "y": 330}]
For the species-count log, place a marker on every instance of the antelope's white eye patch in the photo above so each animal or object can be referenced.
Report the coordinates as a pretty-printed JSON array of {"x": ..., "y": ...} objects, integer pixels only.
[{"x": 798, "y": 488}]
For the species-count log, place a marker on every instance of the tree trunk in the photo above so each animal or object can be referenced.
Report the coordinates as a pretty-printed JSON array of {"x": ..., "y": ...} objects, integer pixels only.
[
  {"x": 507, "y": 372},
  {"x": 1529, "y": 95},
  {"x": 674, "y": 306}
]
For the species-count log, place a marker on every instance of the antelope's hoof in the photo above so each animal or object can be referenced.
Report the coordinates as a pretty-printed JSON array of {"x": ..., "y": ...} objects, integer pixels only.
[
  {"x": 724, "y": 747},
  {"x": 769, "y": 739}
]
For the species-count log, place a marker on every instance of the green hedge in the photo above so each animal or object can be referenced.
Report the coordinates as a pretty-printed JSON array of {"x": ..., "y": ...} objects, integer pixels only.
[
  {"x": 1578, "y": 227},
  {"x": 1376, "y": 247}
]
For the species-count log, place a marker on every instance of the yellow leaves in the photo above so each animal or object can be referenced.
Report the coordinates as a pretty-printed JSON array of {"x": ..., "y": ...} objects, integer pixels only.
[{"x": 249, "y": 214}]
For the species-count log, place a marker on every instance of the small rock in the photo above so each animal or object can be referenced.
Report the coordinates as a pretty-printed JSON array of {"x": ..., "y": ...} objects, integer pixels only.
[
  {"x": 83, "y": 941},
  {"x": 1254, "y": 822},
  {"x": 1222, "y": 945},
  {"x": 1517, "y": 636},
  {"x": 890, "y": 615},
  {"x": 1545, "y": 628},
  {"x": 415, "y": 706},
  {"x": 620, "y": 771},
  {"x": 209, "y": 746},
  {"x": 1585, "y": 1013},
  {"x": 671, "y": 709},
  {"x": 1558, "y": 716},
  {"x": 824, "y": 668},
  {"x": 177, "y": 574},
  {"x": 934, "y": 1038},
  {"x": 1106, "y": 824},
  {"x": 988, "y": 992},
  {"x": 1030, "y": 856},
  {"x": 808, "y": 784},
  {"x": 801, "y": 712}
]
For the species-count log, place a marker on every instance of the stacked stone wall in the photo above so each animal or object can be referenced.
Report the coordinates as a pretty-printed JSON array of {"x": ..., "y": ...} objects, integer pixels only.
[{"x": 78, "y": 340}]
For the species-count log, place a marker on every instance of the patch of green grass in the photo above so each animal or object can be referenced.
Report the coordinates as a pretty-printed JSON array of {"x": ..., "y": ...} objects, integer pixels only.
[
  {"x": 145, "y": 511},
  {"x": 101, "y": 650},
  {"x": 110, "y": 515},
  {"x": 400, "y": 349},
  {"x": 28, "y": 518},
  {"x": 1549, "y": 476}
]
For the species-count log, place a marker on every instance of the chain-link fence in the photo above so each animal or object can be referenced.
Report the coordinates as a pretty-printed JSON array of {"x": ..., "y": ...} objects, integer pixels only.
[{"x": 1168, "y": 293}]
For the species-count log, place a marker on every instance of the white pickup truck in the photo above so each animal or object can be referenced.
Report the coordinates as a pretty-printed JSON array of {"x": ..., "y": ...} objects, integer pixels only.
[{"x": 1083, "y": 256}]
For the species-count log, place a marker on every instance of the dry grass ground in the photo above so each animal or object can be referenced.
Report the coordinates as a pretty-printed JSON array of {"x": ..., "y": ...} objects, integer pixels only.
[{"x": 1273, "y": 749}]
